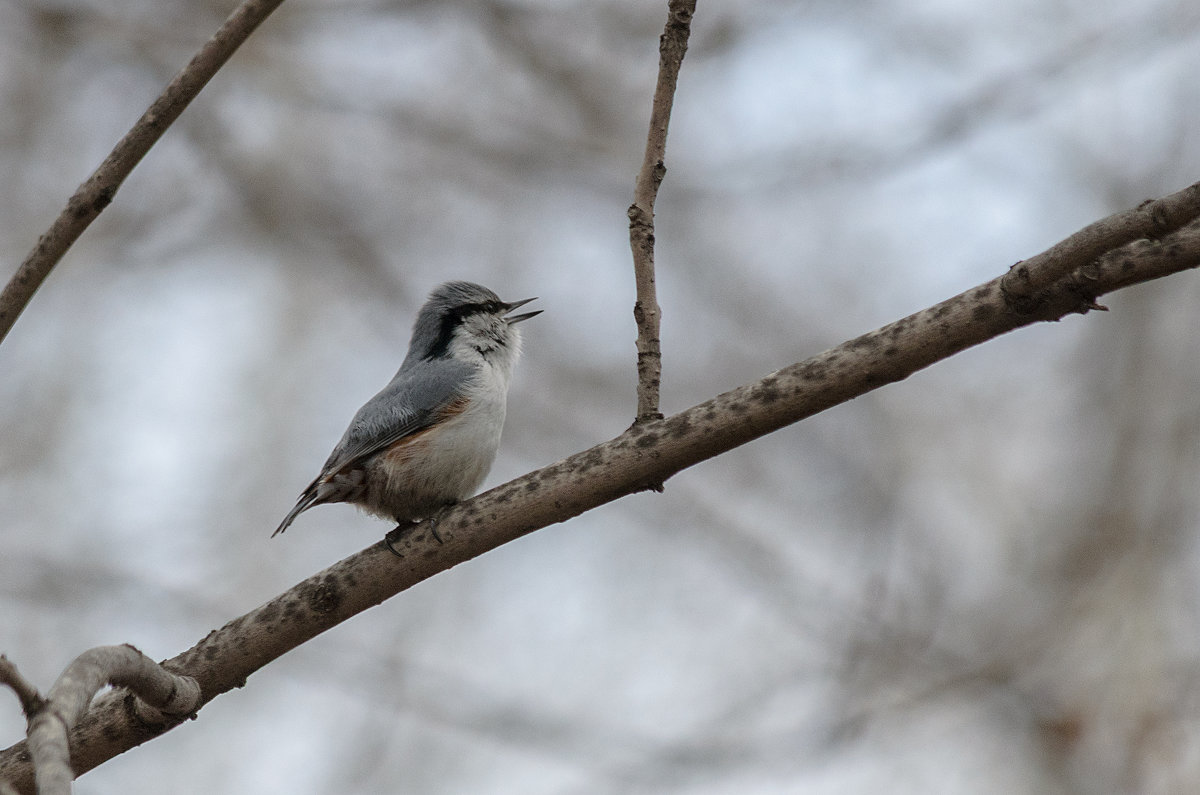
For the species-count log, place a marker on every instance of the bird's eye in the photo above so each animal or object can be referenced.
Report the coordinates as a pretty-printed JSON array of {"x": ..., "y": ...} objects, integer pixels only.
[{"x": 483, "y": 308}]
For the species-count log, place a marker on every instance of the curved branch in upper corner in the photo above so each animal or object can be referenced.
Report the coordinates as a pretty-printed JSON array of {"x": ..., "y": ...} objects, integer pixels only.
[
  {"x": 90, "y": 199},
  {"x": 647, "y": 314}
]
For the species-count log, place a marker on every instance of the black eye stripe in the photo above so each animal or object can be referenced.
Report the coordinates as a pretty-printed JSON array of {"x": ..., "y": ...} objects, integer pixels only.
[
  {"x": 455, "y": 318},
  {"x": 488, "y": 307}
]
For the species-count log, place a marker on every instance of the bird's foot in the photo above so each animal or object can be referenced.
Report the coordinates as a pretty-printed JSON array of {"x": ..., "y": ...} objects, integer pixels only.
[
  {"x": 396, "y": 535},
  {"x": 406, "y": 528}
]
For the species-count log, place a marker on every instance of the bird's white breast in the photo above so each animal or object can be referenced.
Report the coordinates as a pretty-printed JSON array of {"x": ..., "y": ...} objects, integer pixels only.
[{"x": 445, "y": 463}]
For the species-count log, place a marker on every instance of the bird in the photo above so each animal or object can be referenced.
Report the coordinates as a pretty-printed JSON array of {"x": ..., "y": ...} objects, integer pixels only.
[{"x": 428, "y": 439}]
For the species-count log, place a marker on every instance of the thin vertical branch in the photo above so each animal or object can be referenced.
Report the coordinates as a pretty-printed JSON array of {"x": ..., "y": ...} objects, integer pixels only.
[
  {"x": 646, "y": 312},
  {"x": 98, "y": 191}
]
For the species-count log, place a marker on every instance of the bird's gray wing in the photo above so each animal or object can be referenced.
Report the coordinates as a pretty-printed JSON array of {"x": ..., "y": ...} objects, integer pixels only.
[{"x": 413, "y": 401}]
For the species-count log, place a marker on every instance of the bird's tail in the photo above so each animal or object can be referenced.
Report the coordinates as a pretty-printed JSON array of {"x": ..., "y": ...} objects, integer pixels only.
[{"x": 307, "y": 500}]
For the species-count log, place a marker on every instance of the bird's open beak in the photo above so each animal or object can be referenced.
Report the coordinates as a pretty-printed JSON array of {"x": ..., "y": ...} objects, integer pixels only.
[{"x": 518, "y": 318}]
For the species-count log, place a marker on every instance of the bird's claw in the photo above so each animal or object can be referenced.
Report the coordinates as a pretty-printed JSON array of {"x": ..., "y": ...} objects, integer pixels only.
[
  {"x": 395, "y": 534},
  {"x": 400, "y": 531}
]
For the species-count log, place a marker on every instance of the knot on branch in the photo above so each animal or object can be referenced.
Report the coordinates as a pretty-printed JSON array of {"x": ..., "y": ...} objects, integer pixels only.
[
  {"x": 639, "y": 217},
  {"x": 1083, "y": 284},
  {"x": 643, "y": 314},
  {"x": 679, "y": 20},
  {"x": 1158, "y": 217},
  {"x": 659, "y": 172},
  {"x": 1016, "y": 286}
]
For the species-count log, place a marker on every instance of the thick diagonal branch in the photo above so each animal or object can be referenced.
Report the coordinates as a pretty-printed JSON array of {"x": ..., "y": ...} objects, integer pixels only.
[
  {"x": 645, "y": 455},
  {"x": 646, "y": 312},
  {"x": 98, "y": 191}
]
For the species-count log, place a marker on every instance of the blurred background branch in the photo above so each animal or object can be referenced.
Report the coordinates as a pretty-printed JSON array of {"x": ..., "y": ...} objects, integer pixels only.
[
  {"x": 98, "y": 191},
  {"x": 980, "y": 580}
]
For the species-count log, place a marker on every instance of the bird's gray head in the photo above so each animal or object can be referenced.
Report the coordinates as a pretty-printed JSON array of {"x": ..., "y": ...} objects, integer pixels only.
[{"x": 464, "y": 320}]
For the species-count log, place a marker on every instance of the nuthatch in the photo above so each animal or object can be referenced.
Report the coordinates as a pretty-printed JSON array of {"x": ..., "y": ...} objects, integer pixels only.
[{"x": 427, "y": 440}]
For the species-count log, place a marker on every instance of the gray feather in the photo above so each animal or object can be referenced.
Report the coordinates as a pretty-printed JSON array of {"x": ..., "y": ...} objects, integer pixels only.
[{"x": 412, "y": 401}]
